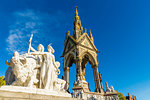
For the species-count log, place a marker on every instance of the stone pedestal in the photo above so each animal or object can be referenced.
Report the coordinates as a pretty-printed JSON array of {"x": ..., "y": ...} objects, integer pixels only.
[
  {"x": 83, "y": 92},
  {"x": 77, "y": 92},
  {"x": 79, "y": 89},
  {"x": 99, "y": 96},
  {"x": 26, "y": 93},
  {"x": 86, "y": 86}
]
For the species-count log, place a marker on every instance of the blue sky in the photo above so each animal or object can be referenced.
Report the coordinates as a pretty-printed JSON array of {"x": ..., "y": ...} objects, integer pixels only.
[{"x": 121, "y": 31}]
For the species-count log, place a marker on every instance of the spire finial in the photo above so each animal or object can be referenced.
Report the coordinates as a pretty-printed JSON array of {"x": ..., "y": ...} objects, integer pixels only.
[
  {"x": 76, "y": 7},
  {"x": 77, "y": 29},
  {"x": 76, "y": 13},
  {"x": 85, "y": 30},
  {"x": 68, "y": 32},
  {"x": 91, "y": 35},
  {"x": 76, "y": 10},
  {"x": 90, "y": 30}
]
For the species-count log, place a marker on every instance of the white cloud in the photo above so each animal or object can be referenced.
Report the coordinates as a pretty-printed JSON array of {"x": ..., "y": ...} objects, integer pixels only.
[{"x": 28, "y": 22}]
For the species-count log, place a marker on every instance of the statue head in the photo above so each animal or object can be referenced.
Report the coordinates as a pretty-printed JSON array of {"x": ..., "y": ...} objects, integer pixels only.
[
  {"x": 16, "y": 54},
  {"x": 50, "y": 49},
  {"x": 40, "y": 48}
]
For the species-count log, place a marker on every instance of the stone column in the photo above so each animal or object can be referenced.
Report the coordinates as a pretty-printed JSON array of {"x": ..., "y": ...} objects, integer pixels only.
[
  {"x": 78, "y": 70},
  {"x": 96, "y": 78},
  {"x": 83, "y": 73},
  {"x": 66, "y": 77}
]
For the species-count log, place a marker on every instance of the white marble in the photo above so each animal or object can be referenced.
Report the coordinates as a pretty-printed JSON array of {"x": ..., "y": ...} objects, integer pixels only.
[
  {"x": 107, "y": 88},
  {"x": 34, "y": 91},
  {"x": 110, "y": 90},
  {"x": 36, "y": 69}
]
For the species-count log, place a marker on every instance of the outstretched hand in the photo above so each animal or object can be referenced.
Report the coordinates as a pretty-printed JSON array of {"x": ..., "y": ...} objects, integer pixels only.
[{"x": 30, "y": 43}]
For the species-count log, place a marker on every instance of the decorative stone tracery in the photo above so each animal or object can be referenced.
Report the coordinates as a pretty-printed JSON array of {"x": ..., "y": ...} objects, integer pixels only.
[{"x": 80, "y": 49}]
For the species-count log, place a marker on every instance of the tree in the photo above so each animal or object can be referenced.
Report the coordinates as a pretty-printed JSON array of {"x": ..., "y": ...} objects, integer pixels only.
[
  {"x": 2, "y": 81},
  {"x": 121, "y": 96}
]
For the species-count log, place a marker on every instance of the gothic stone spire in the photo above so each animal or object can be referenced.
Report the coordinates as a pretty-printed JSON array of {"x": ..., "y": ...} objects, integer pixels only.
[{"x": 77, "y": 29}]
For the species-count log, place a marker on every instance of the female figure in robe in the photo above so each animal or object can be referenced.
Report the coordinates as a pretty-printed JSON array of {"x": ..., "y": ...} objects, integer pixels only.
[
  {"x": 48, "y": 67},
  {"x": 51, "y": 68}
]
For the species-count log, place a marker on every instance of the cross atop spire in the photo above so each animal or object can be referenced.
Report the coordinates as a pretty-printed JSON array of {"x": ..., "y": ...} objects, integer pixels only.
[
  {"x": 76, "y": 14},
  {"x": 76, "y": 10}
]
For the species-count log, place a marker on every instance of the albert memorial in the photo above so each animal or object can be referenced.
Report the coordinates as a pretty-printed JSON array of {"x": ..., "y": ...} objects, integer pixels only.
[{"x": 34, "y": 74}]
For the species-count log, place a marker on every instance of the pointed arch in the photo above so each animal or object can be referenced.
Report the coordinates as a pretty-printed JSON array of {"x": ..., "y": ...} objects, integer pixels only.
[
  {"x": 91, "y": 58},
  {"x": 69, "y": 59}
]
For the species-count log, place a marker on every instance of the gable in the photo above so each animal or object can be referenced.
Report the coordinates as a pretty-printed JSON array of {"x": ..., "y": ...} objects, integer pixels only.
[
  {"x": 69, "y": 44},
  {"x": 86, "y": 42}
]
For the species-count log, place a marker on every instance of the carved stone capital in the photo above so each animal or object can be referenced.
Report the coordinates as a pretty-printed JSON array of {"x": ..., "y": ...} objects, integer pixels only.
[
  {"x": 67, "y": 82},
  {"x": 94, "y": 66},
  {"x": 78, "y": 60},
  {"x": 66, "y": 69},
  {"x": 78, "y": 74},
  {"x": 97, "y": 79}
]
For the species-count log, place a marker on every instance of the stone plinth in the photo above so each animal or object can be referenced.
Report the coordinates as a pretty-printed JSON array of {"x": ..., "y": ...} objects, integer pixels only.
[
  {"x": 100, "y": 96},
  {"x": 24, "y": 93},
  {"x": 78, "y": 92},
  {"x": 86, "y": 86}
]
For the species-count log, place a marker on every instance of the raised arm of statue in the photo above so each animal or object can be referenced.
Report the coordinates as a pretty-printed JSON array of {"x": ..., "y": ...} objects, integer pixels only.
[{"x": 30, "y": 43}]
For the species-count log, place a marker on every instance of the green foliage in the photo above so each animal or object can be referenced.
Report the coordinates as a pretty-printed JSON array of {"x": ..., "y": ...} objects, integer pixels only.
[
  {"x": 2, "y": 81},
  {"x": 121, "y": 96}
]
